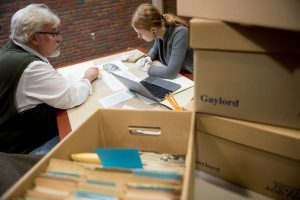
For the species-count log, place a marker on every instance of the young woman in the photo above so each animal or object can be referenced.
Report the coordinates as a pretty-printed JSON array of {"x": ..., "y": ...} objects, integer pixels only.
[{"x": 170, "y": 35}]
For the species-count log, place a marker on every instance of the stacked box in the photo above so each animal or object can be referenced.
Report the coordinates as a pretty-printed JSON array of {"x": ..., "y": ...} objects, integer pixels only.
[
  {"x": 142, "y": 129},
  {"x": 247, "y": 92},
  {"x": 268, "y": 13},
  {"x": 263, "y": 158},
  {"x": 248, "y": 73}
]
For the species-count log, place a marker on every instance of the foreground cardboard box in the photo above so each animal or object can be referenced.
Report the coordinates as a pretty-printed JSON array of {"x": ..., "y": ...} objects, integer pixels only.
[
  {"x": 241, "y": 72},
  {"x": 265, "y": 159},
  {"x": 122, "y": 128},
  {"x": 268, "y": 13}
]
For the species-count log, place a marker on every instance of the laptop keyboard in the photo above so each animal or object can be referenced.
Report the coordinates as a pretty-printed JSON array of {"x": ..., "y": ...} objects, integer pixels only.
[{"x": 157, "y": 91}]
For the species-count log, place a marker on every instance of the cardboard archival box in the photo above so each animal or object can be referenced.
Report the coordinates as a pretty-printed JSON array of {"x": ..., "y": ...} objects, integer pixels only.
[
  {"x": 241, "y": 73},
  {"x": 121, "y": 128},
  {"x": 268, "y": 13},
  {"x": 218, "y": 35},
  {"x": 263, "y": 158}
]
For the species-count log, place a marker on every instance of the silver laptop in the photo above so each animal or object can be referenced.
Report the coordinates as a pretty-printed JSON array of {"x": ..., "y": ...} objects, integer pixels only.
[{"x": 151, "y": 87}]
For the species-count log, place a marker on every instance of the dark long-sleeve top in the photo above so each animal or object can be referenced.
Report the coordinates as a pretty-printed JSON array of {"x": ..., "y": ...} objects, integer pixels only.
[{"x": 173, "y": 52}]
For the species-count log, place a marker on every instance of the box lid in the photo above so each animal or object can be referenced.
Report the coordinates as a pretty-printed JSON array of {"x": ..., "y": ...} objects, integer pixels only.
[
  {"x": 277, "y": 140},
  {"x": 213, "y": 34},
  {"x": 281, "y": 14}
]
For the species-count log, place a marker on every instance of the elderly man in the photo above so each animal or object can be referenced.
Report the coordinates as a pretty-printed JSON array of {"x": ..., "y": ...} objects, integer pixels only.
[{"x": 30, "y": 88}]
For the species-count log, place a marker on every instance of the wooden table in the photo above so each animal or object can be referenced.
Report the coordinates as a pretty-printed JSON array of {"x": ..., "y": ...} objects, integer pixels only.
[{"x": 63, "y": 120}]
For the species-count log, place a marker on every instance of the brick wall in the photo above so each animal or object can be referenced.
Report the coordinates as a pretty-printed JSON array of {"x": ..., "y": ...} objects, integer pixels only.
[
  {"x": 109, "y": 20},
  {"x": 170, "y": 7}
]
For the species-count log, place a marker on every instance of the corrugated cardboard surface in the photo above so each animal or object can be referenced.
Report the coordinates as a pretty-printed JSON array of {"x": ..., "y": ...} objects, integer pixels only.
[
  {"x": 268, "y": 13},
  {"x": 265, "y": 159},
  {"x": 256, "y": 87},
  {"x": 250, "y": 73},
  {"x": 273, "y": 139},
  {"x": 214, "y": 34},
  {"x": 110, "y": 128}
]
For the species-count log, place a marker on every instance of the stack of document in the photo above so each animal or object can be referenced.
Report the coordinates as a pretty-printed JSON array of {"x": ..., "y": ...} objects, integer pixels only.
[{"x": 160, "y": 178}]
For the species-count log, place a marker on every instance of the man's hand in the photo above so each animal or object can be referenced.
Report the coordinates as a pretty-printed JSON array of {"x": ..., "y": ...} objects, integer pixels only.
[{"x": 91, "y": 74}]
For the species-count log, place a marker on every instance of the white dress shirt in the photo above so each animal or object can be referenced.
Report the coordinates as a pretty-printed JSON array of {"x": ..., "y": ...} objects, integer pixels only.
[{"x": 41, "y": 83}]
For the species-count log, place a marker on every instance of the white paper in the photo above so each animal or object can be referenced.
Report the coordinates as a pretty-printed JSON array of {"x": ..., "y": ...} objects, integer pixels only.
[
  {"x": 128, "y": 107},
  {"x": 121, "y": 65},
  {"x": 184, "y": 82},
  {"x": 112, "y": 81},
  {"x": 75, "y": 72},
  {"x": 127, "y": 74},
  {"x": 182, "y": 98},
  {"x": 115, "y": 98}
]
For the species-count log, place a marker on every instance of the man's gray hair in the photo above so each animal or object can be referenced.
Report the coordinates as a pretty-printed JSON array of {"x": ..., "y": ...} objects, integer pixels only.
[{"x": 31, "y": 19}]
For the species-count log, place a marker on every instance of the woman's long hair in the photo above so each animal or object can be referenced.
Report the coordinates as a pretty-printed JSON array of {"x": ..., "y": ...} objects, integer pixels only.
[{"x": 147, "y": 16}]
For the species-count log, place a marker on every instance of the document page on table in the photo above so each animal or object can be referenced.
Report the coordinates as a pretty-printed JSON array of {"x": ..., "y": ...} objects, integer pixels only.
[
  {"x": 183, "y": 81},
  {"x": 116, "y": 98},
  {"x": 75, "y": 72}
]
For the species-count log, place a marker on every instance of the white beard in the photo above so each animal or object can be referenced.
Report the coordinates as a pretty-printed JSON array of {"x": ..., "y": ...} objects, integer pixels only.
[{"x": 56, "y": 53}]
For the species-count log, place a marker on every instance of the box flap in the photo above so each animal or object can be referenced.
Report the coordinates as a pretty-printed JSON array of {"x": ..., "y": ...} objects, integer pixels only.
[
  {"x": 212, "y": 34},
  {"x": 146, "y": 130},
  {"x": 277, "y": 140}
]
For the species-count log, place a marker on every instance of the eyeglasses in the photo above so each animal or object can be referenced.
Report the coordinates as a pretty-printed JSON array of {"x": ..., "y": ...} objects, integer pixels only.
[{"x": 55, "y": 34}]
